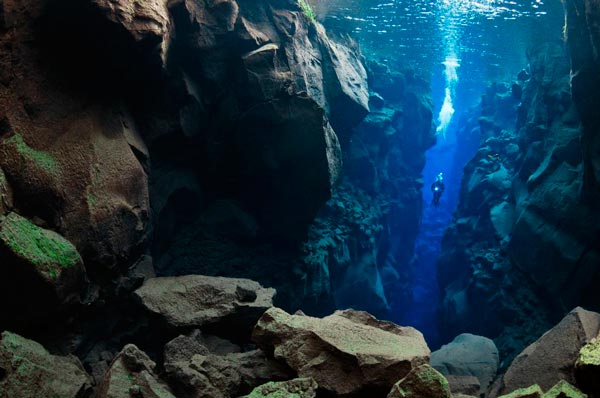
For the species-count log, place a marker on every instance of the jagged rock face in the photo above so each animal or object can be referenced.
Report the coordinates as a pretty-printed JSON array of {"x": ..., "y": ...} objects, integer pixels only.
[
  {"x": 199, "y": 372},
  {"x": 66, "y": 156},
  {"x": 217, "y": 117},
  {"x": 552, "y": 358},
  {"x": 360, "y": 246},
  {"x": 466, "y": 357},
  {"x": 346, "y": 352},
  {"x": 132, "y": 374},
  {"x": 522, "y": 243},
  {"x": 583, "y": 38},
  {"x": 27, "y": 370}
]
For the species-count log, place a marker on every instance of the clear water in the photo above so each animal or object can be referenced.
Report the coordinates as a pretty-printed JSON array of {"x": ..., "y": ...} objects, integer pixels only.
[
  {"x": 462, "y": 46},
  {"x": 489, "y": 38}
]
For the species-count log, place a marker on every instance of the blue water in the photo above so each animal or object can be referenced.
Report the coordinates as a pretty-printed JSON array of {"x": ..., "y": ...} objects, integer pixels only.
[{"x": 462, "y": 46}]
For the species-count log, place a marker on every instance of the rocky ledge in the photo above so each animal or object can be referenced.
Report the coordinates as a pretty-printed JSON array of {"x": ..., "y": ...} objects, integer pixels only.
[{"x": 347, "y": 354}]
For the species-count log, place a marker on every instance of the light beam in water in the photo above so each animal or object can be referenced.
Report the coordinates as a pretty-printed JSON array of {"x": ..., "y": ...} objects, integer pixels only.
[{"x": 445, "y": 117}]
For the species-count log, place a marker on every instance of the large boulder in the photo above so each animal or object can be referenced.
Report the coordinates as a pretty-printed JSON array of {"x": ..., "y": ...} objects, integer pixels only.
[
  {"x": 345, "y": 352},
  {"x": 196, "y": 301},
  {"x": 132, "y": 374},
  {"x": 197, "y": 371},
  {"x": 296, "y": 388},
  {"x": 422, "y": 382},
  {"x": 27, "y": 370},
  {"x": 552, "y": 357},
  {"x": 42, "y": 272},
  {"x": 467, "y": 356}
]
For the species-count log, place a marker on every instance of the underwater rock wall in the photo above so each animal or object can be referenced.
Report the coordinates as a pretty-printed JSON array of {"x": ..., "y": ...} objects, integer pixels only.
[
  {"x": 200, "y": 132},
  {"x": 523, "y": 247},
  {"x": 363, "y": 241}
]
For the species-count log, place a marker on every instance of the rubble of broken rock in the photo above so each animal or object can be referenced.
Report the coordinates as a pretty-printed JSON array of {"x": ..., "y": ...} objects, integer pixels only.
[{"x": 346, "y": 354}]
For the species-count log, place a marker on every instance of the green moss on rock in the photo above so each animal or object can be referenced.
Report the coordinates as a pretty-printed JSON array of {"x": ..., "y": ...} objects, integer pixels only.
[
  {"x": 590, "y": 354},
  {"x": 422, "y": 382},
  {"x": 307, "y": 10},
  {"x": 42, "y": 160},
  {"x": 46, "y": 250},
  {"x": 533, "y": 391},
  {"x": 297, "y": 388},
  {"x": 563, "y": 389}
]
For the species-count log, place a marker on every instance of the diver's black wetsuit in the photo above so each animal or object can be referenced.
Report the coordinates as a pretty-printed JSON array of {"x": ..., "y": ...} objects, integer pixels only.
[{"x": 438, "y": 189}]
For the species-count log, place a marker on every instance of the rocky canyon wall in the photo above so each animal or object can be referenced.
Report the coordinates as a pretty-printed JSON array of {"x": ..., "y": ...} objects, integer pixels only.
[{"x": 523, "y": 248}]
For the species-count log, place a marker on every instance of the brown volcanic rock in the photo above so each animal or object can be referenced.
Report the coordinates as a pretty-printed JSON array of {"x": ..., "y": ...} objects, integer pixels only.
[
  {"x": 552, "y": 357},
  {"x": 42, "y": 272},
  {"x": 132, "y": 375},
  {"x": 201, "y": 373},
  {"x": 199, "y": 301},
  {"x": 344, "y": 352},
  {"x": 65, "y": 151},
  {"x": 422, "y": 382},
  {"x": 27, "y": 370}
]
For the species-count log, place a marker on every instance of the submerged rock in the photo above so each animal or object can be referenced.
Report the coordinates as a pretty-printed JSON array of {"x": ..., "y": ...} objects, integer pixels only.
[
  {"x": 201, "y": 301},
  {"x": 132, "y": 375},
  {"x": 297, "y": 388},
  {"x": 42, "y": 271},
  {"x": 563, "y": 389},
  {"x": 467, "y": 356},
  {"x": 533, "y": 391},
  {"x": 587, "y": 368},
  {"x": 422, "y": 382},
  {"x": 203, "y": 373},
  {"x": 552, "y": 357},
  {"x": 27, "y": 370},
  {"x": 345, "y": 352}
]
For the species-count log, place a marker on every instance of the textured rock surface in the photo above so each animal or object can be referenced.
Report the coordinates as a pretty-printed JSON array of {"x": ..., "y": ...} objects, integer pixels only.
[
  {"x": 197, "y": 301},
  {"x": 297, "y": 388},
  {"x": 533, "y": 391},
  {"x": 344, "y": 352},
  {"x": 353, "y": 254},
  {"x": 27, "y": 370},
  {"x": 132, "y": 374},
  {"x": 563, "y": 389},
  {"x": 422, "y": 382},
  {"x": 521, "y": 244},
  {"x": 42, "y": 271},
  {"x": 552, "y": 358},
  {"x": 199, "y": 372},
  {"x": 467, "y": 355},
  {"x": 587, "y": 368}
]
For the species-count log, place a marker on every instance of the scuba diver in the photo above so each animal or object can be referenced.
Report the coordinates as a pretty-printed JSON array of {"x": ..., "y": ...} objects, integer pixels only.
[{"x": 438, "y": 189}]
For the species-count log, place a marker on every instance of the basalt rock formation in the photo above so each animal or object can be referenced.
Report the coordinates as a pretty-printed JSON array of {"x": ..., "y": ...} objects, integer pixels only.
[
  {"x": 363, "y": 240},
  {"x": 202, "y": 133},
  {"x": 523, "y": 247}
]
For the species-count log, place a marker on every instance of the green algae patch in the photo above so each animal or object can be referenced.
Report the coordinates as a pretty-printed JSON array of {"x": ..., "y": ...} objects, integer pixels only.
[
  {"x": 590, "y": 354},
  {"x": 563, "y": 389},
  {"x": 307, "y": 10},
  {"x": 40, "y": 159},
  {"x": 49, "y": 252},
  {"x": 534, "y": 391},
  {"x": 422, "y": 382},
  {"x": 297, "y": 388}
]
